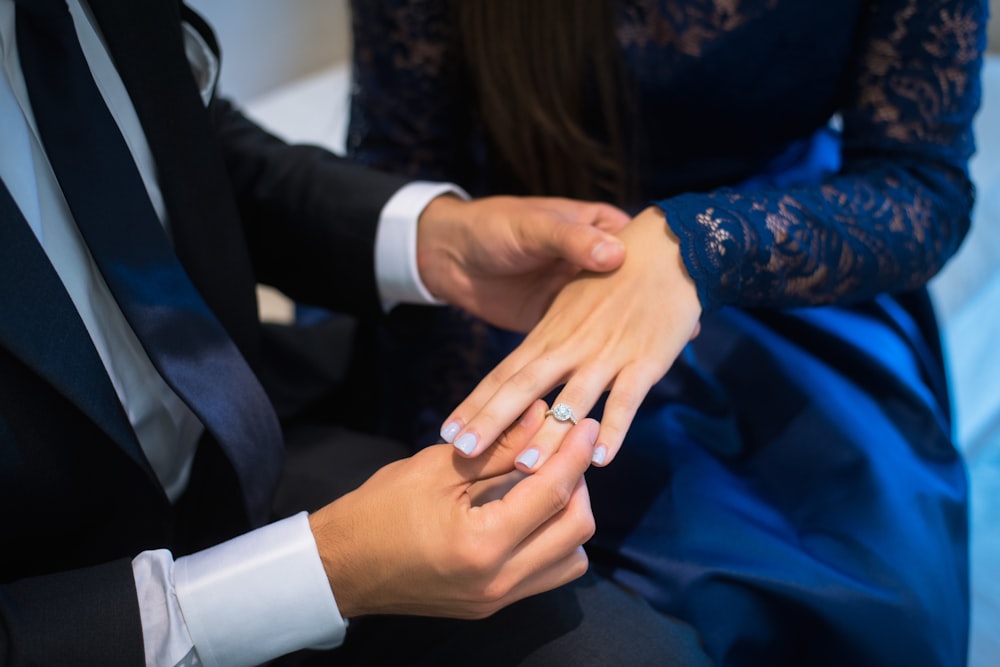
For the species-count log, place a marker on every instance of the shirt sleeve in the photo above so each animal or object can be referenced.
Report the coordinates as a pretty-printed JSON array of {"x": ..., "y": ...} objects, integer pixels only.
[
  {"x": 396, "y": 243},
  {"x": 243, "y": 602}
]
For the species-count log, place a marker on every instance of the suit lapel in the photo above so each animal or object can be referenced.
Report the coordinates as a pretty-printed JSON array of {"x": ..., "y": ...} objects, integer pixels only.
[
  {"x": 44, "y": 331},
  {"x": 147, "y": 45}
]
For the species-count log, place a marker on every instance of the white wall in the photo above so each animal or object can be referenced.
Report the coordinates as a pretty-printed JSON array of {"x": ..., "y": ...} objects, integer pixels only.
[
  {"x": 994, "y": 26},
  {"x": 266, "y": 43}
]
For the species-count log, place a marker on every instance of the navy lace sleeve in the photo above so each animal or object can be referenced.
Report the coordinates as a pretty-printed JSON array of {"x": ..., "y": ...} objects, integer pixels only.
[
  {"x": 886, "y": 220},
  {"x": 899, "y": 206}
]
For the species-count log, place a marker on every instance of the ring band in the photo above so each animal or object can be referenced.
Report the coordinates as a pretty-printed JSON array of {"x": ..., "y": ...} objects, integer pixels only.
[{"x": 562, "y": 413}]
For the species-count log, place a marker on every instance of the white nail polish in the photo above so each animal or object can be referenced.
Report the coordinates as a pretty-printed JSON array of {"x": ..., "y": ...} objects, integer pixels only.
[
  {"x": 466, "y": 443},
  {"x": 529, "y": 458},
  {"x": 449, "y": 431},
  {"x": 599, "y": 455}
]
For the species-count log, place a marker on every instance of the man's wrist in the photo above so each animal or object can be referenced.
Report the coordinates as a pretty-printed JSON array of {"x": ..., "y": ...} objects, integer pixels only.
[
  {"x": 258, "y": 596},
  {"x": 435, "y": 230},
  {"x": 396, "y": 267}
]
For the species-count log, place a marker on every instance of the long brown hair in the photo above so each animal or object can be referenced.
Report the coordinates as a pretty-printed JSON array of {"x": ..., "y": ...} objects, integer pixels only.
[{"x": 534, "y": 65}]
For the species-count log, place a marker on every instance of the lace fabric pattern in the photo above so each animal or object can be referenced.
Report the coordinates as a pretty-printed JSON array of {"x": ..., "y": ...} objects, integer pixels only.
[{"x": 720, "y": 80}]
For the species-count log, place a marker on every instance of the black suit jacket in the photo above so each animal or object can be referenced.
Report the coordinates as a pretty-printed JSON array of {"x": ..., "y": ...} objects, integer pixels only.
[{"x": 77, "y": 496}]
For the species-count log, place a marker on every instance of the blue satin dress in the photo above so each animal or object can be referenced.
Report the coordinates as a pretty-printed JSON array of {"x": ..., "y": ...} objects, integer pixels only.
[{"x": 791, "y": 487}]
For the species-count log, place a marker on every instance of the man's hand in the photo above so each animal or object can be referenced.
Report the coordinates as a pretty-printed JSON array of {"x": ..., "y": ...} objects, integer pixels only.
[
  {"x": 424, "y": 536},
  {"x": 505, "y": 258}
]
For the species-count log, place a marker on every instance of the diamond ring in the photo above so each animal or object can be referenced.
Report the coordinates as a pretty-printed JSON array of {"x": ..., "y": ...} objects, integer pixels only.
[{"x": 562, "y": 412}]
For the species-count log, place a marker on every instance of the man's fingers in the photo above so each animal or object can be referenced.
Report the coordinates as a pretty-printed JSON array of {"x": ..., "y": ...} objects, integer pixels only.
[
  {"x": 609, "y": 218},
  {"x": 582, "y": 233},
  {"x": 553, "y": 554},
  {"x": 566, "y": 530},
  {"x": 586, "y": 246},
  {"x": 506, "y": 589},
  {"x": 539, "y": 497},
  {"x": 597, "y": 214},
  {"x": 571, "y": 567}
]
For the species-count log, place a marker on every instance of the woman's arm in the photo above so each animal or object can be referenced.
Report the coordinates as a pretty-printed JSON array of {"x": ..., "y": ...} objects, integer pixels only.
[
  {"x": 888, "y": 221},
  {"x": 900, "y": 205}
]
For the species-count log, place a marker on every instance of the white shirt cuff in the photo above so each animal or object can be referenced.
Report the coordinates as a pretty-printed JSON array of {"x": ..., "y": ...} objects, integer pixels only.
[
  {"x": 396, "y": 243},
  {"x": 258, "y": 596},
  {"x": 165, "y": 636}
]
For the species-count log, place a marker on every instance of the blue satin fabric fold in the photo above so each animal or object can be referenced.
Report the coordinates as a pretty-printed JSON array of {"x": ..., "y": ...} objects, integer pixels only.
[{"x": 768, "y": 493}]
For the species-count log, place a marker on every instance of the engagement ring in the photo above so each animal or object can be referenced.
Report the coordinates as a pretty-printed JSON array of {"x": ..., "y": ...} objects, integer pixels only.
[{"x": 562, "y": 412}]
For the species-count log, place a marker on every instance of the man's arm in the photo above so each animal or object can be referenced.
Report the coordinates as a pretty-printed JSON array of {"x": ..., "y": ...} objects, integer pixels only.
[
  {"x": 433, "y": 534},
  {"x": 87, "y": 616},
  {"x": 311, "y": 220},
  {"x": 310, "y": 217}
]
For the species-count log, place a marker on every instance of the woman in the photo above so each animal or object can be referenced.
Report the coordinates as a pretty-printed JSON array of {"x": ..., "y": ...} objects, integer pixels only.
[{"x": 798, "y": 171}]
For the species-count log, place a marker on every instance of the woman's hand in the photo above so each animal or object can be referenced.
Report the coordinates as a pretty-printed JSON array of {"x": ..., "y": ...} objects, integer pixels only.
[{"x": 619, "y": 331}]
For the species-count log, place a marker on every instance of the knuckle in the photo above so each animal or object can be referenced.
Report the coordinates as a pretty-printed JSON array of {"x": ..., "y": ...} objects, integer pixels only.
[
  {"x": 494, "y": 593},
  {"x": 486, "y": 418},
  {"x": 583, "y": 522},
  {"x": 623, "y": 399},
  {"x": 475, "y": 557},
  {"x": 478, "y": 613},
  {"x": 474, "y": 609},
  {"x": 626, "y": 399},
  {"x": 588, "y": 527},
  {"x": 643, "y": 375},
  {"x": 525, "y": 380},
  {"x": 482, "y": 610},
  {"x": 478, "y": 555},
  {"x": 579, "y": 565},
  {"x": 559, "y": 497}
]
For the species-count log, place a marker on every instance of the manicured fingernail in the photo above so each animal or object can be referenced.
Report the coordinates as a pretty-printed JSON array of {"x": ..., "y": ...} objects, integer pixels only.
[
  {"x": 466, "y": 443},
  {"x": 449, "y": 431},
  {"x": 599, "y": 455},
  {"x": 529, "y": 458},
  {"x": 603, "y": 251}
]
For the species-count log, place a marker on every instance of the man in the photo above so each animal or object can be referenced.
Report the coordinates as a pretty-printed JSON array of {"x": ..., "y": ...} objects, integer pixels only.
[{"x": 137, "y": 459}]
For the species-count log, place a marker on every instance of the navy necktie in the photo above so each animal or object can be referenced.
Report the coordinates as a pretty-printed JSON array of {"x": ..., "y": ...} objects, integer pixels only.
[{"x": 109, "y": 203}]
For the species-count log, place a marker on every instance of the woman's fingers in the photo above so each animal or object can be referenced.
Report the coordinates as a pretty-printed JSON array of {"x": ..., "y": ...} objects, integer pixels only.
[
  {"x": 573, "y": 403},
  {"x": 499, "y": 400},
  {"x": 617, "y": 332},
  {"x": 620, "y": 408}
]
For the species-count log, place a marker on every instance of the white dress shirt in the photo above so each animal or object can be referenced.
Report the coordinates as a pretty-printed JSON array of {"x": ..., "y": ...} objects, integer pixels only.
[{"x": 265, "y": 593}]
